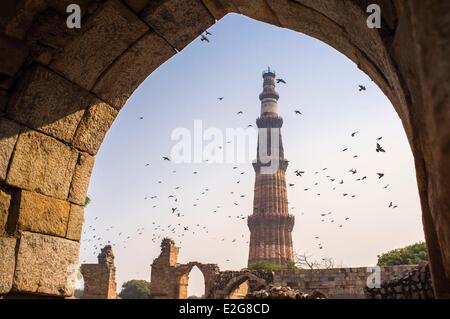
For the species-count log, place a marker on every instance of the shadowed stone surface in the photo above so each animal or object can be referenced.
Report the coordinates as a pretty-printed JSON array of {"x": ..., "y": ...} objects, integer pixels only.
[
  {"x": 7, "y": 261},
  {"x": 105, "y": 35},
  {"x": 178, "y": 21},
  {"x": 42, "y": 214},
  {"x": 131, "y": 69},
  {"x": 40, "y": 259},
  {"x": 42, "y": 164},
  {"x": 49, "y": 103}
]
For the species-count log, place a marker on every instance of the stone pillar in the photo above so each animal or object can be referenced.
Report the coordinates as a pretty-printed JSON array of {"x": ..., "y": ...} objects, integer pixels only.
[{"x": 100, "y": 279}]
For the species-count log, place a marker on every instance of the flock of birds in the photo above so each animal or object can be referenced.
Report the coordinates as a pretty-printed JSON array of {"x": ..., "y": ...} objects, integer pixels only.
[{"x": 180, "y": 227}]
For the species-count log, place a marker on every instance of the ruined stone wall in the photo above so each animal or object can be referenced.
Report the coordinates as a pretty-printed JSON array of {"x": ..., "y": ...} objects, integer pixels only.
[
  {"x": 335, "y": 283},
  {"x": 100, "y": 279},
  {"x": 411, "y": 284},
  {"x": 170, "y": 279}
]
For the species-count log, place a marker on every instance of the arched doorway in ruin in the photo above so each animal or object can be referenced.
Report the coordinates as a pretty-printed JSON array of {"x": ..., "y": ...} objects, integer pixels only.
[
  {"x": 194, "y": 277},
  {"x": 238, "y": 287},
  {"x": 203, "y": 274},
  {"x": 63, "y": 88}
]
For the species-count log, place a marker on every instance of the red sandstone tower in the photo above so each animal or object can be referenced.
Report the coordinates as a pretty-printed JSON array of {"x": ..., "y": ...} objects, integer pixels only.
[{"x": 270, "y": 224}]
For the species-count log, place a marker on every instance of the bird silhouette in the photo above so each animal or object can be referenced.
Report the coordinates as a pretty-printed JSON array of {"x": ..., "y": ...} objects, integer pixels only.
[
  {"x": 299, "y": 173},
  {"x": 361, "y": 87},
  {"x": 204, "y": 38},
  {"x": 240, "y": 112},
  {"x": 379, "y": 148},
  {"x": 344, "y": 149},
  {"x": 379, "y": 138},
  {"x": 220, "y": 98},
  {"x": 281, "y": 81},
  {"x": 166, "y": 158},
  {"x": 380, "y": 175},
  {"x": 354, "y": 133},
  {"x": 298, "y": 112}
]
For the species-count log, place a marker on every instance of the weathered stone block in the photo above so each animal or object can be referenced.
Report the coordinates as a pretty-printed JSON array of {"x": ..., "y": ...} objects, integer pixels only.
[
  {"x": 93, "y": 127},
  {"x": 7, "y": 263},
  {"x": 137, "y": 5},
  {"x": 12, "y": 54},
  {"x": 48, "y": 103},
  {"x": 42, "y": 164},
  {"x": 42, "y": 214},
  {"x": 76, "y": 220},
  {"x": 131, "y": 69},
  {"x": 105, "y": 35},
  {"x": 178, "y": 21},
  {"x": 5, "y": 202},
  {"x": 81, "y": 177},
  {"x": 219, "y": 8},
  {"x": 9, "y": 131},
  {"x": 45, "y": 265}
]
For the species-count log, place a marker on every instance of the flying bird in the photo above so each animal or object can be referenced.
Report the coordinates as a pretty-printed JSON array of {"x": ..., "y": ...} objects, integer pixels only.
[
  {"x": 298, "y": 112},
  {"x": 379, "y": 148},
  {"x": 379, "y": 138},
  {"x": 354, "y": 133},
  {"x": 204, "y": 38},
  {"x": 281, "y": 81},
  {"x": 208, "y": 33},
  {"x": 299, "y": 173},
  {"x": 165, "y": 158},
  {"x": 344, "y": 149},
  {"x": 240, "y": 112},
  {"x": 220, "y": 98},
  {"x": 380, "y": 175},
  {"x": 361, "y": 88}
]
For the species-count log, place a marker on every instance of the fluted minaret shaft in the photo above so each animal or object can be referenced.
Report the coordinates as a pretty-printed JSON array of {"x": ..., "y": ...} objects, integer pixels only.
[{"x": 270, "y": 224}]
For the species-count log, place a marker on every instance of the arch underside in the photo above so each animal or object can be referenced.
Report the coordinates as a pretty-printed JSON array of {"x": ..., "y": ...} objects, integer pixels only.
[{"x": 61, "y": 90}]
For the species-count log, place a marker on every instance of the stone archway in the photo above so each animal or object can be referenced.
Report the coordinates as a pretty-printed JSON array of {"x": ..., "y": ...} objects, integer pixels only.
[
  {"x": 239, "y": 286},
  {"x": 61, "y": 90},
  {"x": 183, "y": 272}
]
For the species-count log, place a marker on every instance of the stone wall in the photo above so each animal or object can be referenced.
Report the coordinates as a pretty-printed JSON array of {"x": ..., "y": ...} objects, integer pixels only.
[
  {"x": 411, "y": 284},
  {"x": 100, "y": 279},
  {"x": 335, "y": 283},
  {"x": 169, "y": 279}
]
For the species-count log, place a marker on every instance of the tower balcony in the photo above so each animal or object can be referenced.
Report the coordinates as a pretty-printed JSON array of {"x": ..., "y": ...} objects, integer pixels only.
[
  {"x": 269, "y": 95},
  {"x": 265, "y": 219},
  {"x": 269, "y": 122}
]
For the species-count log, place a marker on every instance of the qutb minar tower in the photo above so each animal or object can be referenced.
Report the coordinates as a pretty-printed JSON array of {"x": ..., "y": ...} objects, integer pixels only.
[{"x": 270, "y": 224}]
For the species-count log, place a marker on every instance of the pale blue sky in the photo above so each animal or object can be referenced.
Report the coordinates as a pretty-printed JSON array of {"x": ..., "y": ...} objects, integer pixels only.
[{"x": 323, "y": 84}]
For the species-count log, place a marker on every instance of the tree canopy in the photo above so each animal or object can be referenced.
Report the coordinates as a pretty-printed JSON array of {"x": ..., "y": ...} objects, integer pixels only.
[
  {"x": 409, "y": 255},
  {"x": 265, "y": 265},
  {"x": 135, "y": 289}
]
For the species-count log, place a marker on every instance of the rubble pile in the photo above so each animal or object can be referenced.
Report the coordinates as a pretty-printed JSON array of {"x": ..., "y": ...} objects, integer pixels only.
[
  {"x": 283, "y": 292},
  {"x": 411, "y": 284}
]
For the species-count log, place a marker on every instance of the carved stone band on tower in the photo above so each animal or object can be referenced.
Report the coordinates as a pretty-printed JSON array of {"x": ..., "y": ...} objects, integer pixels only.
[{"x": 270, "y": 224}]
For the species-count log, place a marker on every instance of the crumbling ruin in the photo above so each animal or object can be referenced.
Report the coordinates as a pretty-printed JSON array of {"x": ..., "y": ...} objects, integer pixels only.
[
  {"x": 100, "y": 279},
  {"x": 169, "y": 280},
  {"x": 411, "y": 284}
]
